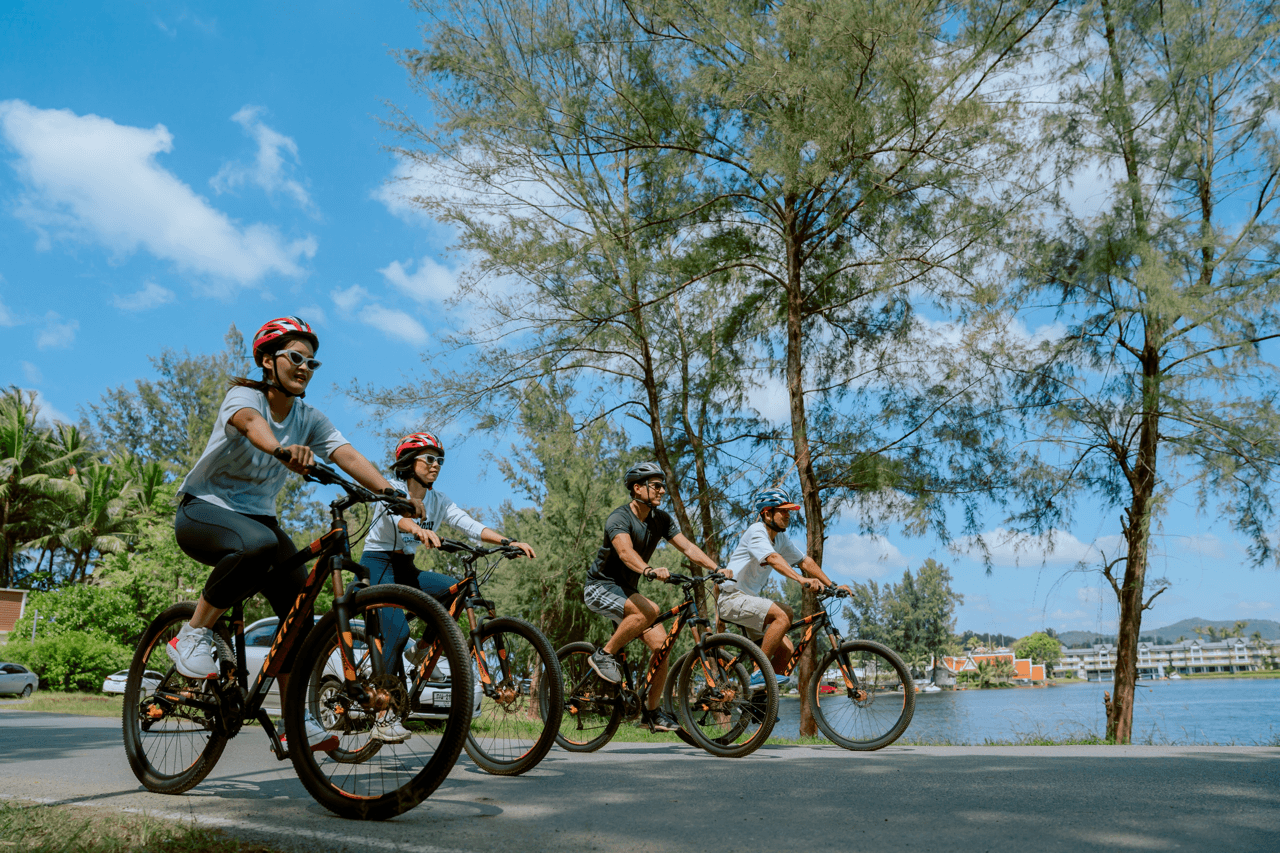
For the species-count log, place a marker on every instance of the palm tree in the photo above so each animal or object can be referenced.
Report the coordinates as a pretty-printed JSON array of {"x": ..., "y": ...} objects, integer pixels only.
[{"x": 33, "y": 460}]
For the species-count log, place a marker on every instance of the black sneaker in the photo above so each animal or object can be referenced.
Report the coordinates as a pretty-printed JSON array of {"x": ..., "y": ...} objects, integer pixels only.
[
  {"x": 659, "y": 720},
  {"x": 605, "y": 666}
]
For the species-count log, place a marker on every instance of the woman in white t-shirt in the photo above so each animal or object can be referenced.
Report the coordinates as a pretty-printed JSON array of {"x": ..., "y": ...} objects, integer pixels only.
[
  {"x": 392, "y": 541},
  {"x": 227, "y": 512}
]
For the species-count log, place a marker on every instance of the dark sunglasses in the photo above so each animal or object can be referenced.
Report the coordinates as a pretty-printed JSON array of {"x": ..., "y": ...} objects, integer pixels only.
[{"x": 297, "y": 359}]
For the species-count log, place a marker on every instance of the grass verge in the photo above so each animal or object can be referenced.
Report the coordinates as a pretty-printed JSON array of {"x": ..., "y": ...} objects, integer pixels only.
[
  {"x": 85, "y": 704},
  {"x": 68, "y": 829},
  {"x": 1266, "y": 673}
]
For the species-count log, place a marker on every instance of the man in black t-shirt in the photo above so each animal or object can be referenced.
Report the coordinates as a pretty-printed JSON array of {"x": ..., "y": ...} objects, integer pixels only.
[{"x": 631, "y": 533}]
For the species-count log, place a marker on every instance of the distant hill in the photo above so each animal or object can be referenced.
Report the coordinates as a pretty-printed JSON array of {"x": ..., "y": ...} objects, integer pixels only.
[{"x": 1269, "y": 629}]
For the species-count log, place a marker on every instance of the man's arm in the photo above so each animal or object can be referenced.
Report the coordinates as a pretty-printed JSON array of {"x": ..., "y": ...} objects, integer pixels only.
[
  {"x": 630, "y": 557},
  {"x": 695, "y": 554},
  {"x": 810, "y": 567},
  {"x": 778, "y": 564}
]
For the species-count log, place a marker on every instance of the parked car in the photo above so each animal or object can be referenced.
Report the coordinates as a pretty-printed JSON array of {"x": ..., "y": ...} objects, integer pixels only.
[
  {"x": 18, "y": 680},
  {"x": 115, "y": 681},
  {"x": 257, "y": 642}
]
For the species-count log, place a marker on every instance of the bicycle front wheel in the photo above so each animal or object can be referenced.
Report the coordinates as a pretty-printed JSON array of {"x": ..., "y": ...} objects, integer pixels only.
[
  {"x": 171, "y": 745},
  {"x": 872, "y": 704},
  {"x": 324, "y": 699},
  {"x": 401, "y": 772},
  {"x": 592, "y": 709},
  {"x": 715, "y": 700},
  {"x": 523, "y": 697}
]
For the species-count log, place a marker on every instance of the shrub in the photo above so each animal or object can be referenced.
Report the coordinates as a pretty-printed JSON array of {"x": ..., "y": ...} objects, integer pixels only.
[{"x": 69, "y": 661}]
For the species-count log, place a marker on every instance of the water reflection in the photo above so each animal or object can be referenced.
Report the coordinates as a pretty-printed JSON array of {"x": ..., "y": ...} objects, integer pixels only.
[{"x": 1226, "y": 711}]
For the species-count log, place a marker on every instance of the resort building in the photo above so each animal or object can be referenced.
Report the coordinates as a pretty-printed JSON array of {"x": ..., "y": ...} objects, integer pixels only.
[
  {"x": 1234, "y": 654},
  {"x": 1023, "y": 669}
]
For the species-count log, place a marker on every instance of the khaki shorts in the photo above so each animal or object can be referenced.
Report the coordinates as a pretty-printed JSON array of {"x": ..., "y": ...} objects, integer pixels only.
[{"x": 749, "y": 611}]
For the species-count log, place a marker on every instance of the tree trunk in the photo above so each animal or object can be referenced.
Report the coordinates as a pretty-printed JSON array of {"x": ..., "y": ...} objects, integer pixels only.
[{"x": 811, "y": 499}]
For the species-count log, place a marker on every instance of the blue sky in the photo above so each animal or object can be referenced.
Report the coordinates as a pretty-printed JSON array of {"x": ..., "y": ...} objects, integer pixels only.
[{"x": 169, "y": 169}]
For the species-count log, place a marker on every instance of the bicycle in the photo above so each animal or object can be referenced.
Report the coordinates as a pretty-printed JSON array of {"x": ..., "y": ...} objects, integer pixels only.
[
  {"x": 867, "y": 715},
  {"x": 517, "y": 669},
  {"x": 711, "y": 685},
  {"x": 175, "y": 733}
]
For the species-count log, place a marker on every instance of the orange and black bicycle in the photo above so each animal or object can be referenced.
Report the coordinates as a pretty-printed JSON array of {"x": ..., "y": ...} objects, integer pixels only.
[
  {"x": 174, "y": 732},
  {"x": 710, "y": 687},
  {"x": 862, "y": 694}
]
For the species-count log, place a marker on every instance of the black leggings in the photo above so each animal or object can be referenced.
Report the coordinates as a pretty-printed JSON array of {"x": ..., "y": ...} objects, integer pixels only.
[{"x": 242, "y": 550}]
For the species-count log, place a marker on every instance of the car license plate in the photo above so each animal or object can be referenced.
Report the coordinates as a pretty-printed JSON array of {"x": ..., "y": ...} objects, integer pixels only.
[{"x": 441, "y": 698}]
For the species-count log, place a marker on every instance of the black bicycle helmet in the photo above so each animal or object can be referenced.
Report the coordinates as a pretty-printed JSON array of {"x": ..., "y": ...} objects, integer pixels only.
[{"x": 641, "y": 473}]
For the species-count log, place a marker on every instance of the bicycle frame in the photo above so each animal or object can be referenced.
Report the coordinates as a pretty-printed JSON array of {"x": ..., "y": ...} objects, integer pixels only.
[{"x": 332, "y": 553}]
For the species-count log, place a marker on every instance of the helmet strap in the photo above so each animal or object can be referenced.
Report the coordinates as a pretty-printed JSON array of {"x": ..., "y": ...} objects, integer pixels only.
[{"x": 275, "y": 383}]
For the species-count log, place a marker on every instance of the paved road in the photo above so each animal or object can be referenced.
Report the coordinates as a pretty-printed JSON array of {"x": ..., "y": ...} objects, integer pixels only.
[{"x": 645, "y": 797}]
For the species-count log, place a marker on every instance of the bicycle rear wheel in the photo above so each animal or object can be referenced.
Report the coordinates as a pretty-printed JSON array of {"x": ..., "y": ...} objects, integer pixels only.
[
  {"x": 396, "y": 776},
  {"x": 513, "y": 732},
  {"x": 171, "y": 746},
  {"x": 865, "y": 712},
  {"x": 714, "y": 699},
  {"x": 592, "y": 708}
]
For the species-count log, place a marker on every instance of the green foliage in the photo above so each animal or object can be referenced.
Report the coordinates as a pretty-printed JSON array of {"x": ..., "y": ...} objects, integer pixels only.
[
  {"x": 82, "y": 609},
  {"x": 915, "y": 617},
  {"x": 69, "y": 660},
  {"x": 36, "y": 463},
  {"x": 572, "y": 479},
  {"x": 1040, "y": 648}
]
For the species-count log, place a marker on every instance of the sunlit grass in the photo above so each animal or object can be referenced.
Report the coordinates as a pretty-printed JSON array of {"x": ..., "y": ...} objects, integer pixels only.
[
  {"x": 66, "y": 829},
  {"x": 84, "y": 704}
]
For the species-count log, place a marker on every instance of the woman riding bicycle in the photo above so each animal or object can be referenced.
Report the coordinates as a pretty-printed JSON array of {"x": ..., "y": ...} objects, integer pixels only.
[
  {"x": 392, "y": 542},
  {"x": 227, "y": 515}
]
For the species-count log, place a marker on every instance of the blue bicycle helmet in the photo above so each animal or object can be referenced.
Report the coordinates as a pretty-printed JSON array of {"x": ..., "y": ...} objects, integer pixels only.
[{"x": 773, "y": 499}]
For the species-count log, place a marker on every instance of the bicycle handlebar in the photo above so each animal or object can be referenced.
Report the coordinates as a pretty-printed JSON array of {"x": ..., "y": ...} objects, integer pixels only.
[
  {"x": 451, "y": 546},
  {"x": 686, "y": 580},
  {"x": 318, "y": 472}
]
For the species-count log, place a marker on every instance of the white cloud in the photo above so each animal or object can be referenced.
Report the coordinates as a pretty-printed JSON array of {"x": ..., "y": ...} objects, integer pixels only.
[
  {"x": 356, "y": 301},
  {"x": 151, "y": 295},
  {"x": 856, "y": 556},
  {"x": 6, "y": 316},
  {"x": 57, "y": 332},
  {"x": 348, "y": 299},
  {"x": 432, "y": 282},
  {"x": 92, "y": 179},
  {"x": 395, "y": 323},
  {"x": 32, "y": 373},
  {"x": 1055, "y": 548},
  {"x": 768, "y": 396},
  {"x": 314, "y": 314},
  {"x": 396, "y": 192},
  {"x": 270, "y": 169}
]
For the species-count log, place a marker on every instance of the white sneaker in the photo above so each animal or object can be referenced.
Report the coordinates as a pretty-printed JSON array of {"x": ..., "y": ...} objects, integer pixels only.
[
  {"x": 192, "y": 652},
  {"x": 390, "y": 731},
  {"x": 319, "y": 738}
]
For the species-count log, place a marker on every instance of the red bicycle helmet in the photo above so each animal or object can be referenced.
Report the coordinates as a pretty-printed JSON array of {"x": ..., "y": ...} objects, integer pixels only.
[
  {"x": 275, "y": 329},
  {"x": 418, "y": 441}
]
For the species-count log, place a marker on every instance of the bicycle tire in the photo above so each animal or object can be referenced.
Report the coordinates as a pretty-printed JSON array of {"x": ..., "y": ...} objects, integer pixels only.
[
  {"x": 850, "y": 718},
  {"x": 512, "y": 732},
  {"x": 592, "y": 710},
  {"x": 170, "y": 748},
  {"x": 668, "y": 697},
  {"x": 719, "y": 710},
  {"x": 323, "y": 690},
  {"x": 400, "y": 775}
]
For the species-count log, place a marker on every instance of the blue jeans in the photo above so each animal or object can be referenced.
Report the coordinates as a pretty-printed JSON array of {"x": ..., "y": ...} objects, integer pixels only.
[{"x": 396, "y": 567}]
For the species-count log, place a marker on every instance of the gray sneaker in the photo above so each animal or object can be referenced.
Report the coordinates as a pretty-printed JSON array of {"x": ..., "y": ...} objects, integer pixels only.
[
  {"x": 659, "y": 720},
  {"x": 192, "y": 652},
  {"x": 605, "y": 666}
]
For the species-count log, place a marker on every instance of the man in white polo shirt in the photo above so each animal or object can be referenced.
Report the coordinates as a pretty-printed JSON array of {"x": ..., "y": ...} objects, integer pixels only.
[{"x": 764, "y": 547}]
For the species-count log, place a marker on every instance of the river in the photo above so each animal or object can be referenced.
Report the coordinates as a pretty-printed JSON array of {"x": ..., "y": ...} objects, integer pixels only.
[{"x": 1187, "y": 711}]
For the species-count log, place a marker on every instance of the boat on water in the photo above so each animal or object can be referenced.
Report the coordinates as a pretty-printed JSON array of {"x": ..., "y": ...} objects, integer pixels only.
[{"x": 928, "y": 687}]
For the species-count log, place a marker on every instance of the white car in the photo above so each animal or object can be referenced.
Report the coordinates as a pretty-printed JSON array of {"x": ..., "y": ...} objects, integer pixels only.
[
  {"x": 115, "y": 682},
  {"x": 435, "y": 695}
]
